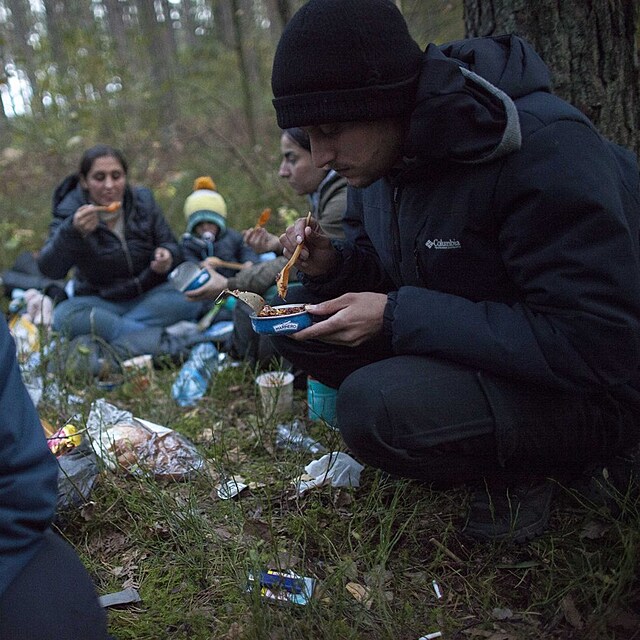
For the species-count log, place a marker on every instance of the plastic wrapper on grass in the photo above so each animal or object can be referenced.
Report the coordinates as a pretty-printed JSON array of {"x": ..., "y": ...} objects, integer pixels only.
[{"x": 140, "y": 447}]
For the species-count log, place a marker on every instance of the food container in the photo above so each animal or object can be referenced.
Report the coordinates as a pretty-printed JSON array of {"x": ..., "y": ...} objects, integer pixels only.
[
  {"x": 284, "y": 322},
  {"x": 188, "y": 276}
]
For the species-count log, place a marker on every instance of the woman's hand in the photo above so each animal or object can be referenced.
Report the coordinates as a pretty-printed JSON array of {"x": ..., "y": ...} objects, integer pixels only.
[
  {"x": 162, "y": 260},
  {"x": 86, "y": 219},
  {"x": 354, "y": 319},
  {"x": 261, "y": 241},
  {"x": 210, "y": 289},
  {"x": 318, "y": 256}
]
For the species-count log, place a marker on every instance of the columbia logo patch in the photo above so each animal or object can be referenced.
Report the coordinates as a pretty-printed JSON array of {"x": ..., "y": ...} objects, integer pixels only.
[{"x": 443, "y": 244}]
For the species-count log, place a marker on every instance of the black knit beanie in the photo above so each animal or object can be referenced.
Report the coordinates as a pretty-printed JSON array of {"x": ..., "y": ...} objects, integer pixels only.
[{"x": 344, "y": 60}]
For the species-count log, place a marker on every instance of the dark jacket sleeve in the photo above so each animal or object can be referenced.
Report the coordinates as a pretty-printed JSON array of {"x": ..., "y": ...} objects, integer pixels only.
[
  {"x": 569, "y": 240},
  {"x": 28, "y": 471},
  {"x": 163, "y": 234},
  {"x": 63, "y": 246}
]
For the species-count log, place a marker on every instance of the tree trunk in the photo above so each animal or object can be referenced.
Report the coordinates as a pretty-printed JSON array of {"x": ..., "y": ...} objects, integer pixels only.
[
  {"x": 590, "y": 47},
  {"x": 162, "y": 62},
  {"x": 244, "y": 71}
]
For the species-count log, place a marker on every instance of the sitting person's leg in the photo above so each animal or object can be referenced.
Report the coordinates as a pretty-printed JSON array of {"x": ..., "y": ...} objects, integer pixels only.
[
  {"x": 92, "y": 315},
  {"x": 53, "y": 598},
  {"x": 163, "y": 306}
]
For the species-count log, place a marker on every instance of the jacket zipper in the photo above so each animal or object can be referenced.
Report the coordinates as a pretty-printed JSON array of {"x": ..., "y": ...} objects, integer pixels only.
[
  {"x": 127, "y": 255},
  {"x": 395, "y": 235}
]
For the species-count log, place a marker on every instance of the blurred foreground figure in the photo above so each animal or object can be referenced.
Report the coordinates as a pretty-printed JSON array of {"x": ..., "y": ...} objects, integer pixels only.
[
  {"x": 482, "y": 318},
  {"x": 45, "y": 592}
]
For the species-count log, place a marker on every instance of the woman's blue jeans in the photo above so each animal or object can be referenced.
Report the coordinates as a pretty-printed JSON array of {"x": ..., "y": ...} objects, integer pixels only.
[{"x": 161, "y": 306}]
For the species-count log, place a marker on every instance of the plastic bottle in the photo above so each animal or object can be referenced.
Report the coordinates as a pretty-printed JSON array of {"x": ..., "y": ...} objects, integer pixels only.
[
  {"x": 294, "y": 437},
  {"x": 193, "y": 379}
]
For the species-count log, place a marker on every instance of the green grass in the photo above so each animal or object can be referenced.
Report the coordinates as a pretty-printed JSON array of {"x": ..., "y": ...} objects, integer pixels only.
[{"x": 374, "y": 551}]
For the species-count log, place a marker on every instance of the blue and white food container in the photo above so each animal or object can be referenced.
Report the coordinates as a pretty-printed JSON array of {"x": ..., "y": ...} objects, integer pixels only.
[
  {"x": 188, "y": 276},
  {"x": 284, "y": 322}
]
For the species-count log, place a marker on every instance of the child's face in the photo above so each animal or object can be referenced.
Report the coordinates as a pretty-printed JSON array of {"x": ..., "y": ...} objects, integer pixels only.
[{"x": 201, "y": 227}]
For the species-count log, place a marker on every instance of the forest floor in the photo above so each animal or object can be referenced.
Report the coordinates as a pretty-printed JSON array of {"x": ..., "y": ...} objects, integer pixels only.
[{"x": 387, "y": 557}]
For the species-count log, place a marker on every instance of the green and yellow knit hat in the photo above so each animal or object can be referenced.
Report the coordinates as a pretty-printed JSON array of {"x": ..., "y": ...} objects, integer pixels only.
[{"x": 205, "y": 204}]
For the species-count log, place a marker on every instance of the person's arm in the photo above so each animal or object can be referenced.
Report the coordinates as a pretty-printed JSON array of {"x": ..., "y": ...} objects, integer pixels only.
[
  {"x": 64, "y": 244},
  {"x": 28, "y": 470},
  {"x": 332, "y": 206},
  {"x": 162, "y": 234},
  {"x": 572, "y": 252}
]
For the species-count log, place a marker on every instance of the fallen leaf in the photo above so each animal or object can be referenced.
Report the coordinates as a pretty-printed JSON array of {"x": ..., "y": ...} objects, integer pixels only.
[
  {"x": 361, "y": 593},
  {"x": 571, "y": 612},
  {"x": 501, "y": 614},
  {"x": 593, "y": 530}
]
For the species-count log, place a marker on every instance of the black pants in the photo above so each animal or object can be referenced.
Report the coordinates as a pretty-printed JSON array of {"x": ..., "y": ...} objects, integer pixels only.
[
  {"x": 52, "y": 599},
  {"x": 443, "y": 423}
]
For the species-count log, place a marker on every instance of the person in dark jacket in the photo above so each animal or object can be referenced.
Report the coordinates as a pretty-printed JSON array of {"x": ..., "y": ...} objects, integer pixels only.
[
  {"x": 45, "y": 592},
  {"x": 482, "y": 317},
  {"x": 208, "y": 239},
  {"x": 121, "y": 257}
]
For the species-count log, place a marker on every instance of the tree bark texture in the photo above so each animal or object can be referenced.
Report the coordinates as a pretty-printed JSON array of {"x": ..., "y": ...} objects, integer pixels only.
[{"x": 590, "y": 47}]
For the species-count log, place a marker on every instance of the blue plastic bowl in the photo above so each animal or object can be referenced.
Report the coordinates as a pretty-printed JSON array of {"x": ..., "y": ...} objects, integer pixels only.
[
  {"x": 188, "y": 276},
  {"x": 283, "y": 324}
]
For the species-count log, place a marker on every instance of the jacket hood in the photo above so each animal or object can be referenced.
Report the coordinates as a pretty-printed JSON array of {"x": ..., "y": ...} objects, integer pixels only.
[{"x": 465, "y": 110}]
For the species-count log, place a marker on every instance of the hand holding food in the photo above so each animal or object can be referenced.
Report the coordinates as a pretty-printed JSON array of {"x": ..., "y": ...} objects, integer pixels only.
[
  {"x": 354, "y": 319},
  {"x": 162, "y": 260},
  {"x": 261, "y": 241},
  {"x": 210, "y": 289},
  {"x": 317, "y": 256}
]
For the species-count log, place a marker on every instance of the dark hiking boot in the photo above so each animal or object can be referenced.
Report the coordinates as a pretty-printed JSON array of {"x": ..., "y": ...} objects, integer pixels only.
[{"x": 517, "y": 512}]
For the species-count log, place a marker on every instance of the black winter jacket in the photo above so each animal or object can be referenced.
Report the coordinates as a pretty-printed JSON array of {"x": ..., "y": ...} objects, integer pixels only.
[
  {"x": 509, "y": 240},
  {"x": 104, "y": 266}
]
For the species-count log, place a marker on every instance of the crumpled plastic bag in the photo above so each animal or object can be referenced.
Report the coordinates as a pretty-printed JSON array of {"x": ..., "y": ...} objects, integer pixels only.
[
  {"x": 77, "y": 473},
  {"x": 138, "y": 446},
  {"x": 336, "y": 468}
]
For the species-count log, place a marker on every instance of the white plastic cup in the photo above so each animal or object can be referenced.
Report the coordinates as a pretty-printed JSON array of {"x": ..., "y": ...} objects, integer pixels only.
[
  {"x": 139, "y": 371},
  {"x": 276, "y": 392}
]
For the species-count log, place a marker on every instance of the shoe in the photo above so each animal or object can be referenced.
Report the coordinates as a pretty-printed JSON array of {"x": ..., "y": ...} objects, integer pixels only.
[{"x": 517, "y": 512}]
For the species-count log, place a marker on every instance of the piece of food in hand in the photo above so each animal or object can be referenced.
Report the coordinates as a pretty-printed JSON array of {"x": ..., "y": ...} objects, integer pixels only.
[{"x": 263, "y": 219}]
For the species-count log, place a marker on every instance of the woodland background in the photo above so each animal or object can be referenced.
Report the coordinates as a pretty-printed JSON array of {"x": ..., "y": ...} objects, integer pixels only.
[{"x": 183, "y": 87}]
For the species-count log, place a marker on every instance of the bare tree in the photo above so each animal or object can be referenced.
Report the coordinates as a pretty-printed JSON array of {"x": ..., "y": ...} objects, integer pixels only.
[{"x": 590, "y": 48}]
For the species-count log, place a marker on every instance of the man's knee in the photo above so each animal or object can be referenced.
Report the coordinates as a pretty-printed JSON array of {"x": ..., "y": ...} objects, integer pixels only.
[{"x": 361, "y": 413}]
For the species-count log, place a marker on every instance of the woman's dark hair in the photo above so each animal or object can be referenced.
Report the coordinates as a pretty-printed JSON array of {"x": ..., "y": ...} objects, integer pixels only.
[
  {"x": 100, "y": 151},
  {"x": 300, "y": 137}
]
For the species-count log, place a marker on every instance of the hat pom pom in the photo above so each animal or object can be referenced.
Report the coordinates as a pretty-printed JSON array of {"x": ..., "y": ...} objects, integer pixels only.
[{"x": 204, "y": 182}]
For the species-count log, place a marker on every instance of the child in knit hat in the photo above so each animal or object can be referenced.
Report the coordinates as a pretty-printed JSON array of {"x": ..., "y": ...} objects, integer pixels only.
[{"x": 208, "y": 240}]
